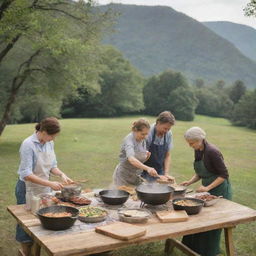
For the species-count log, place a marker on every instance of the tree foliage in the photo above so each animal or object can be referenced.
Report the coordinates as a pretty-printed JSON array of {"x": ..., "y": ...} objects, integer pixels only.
[
  {"x": 120, "y": 90},
  {"x": 237, "y": 90},
  {"x": 51, "y": 44},
  {"x": 244, "y": 113},
  {"x": 169, "y": 91}
]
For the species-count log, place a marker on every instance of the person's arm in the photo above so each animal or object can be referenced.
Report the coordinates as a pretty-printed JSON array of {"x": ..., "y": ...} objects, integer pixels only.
[
  {"x": 214, "y": 184},
  {"x": 194, "y": 179},
  {"x": 56, "y": 171},
  {"x": 135, "y": 162},
  {"x": 167, "y": 162},
  {"x": 52, "y": 184}
]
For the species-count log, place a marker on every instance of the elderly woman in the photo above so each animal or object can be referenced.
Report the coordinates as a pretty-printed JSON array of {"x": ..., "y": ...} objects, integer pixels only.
[
  {"x": 209, "y": 166},
  {"x": 132, "y": 156}
]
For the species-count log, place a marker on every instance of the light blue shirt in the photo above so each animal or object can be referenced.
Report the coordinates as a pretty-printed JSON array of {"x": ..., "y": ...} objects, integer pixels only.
[
  {"x": 29, "y": 152},
  {"x": 159, "y": 140}
]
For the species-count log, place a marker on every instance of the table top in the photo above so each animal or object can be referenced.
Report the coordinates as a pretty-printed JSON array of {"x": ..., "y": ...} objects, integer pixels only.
[{"x": 82, "y": 239}]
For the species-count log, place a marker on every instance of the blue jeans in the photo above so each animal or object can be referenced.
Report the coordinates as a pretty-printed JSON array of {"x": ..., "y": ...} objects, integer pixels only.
[{"x": 20, "y": 193}]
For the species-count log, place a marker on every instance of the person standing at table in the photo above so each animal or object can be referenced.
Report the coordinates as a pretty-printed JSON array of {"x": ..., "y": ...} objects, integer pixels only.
[
  {"x": 159, "y": 144},
  {"x": 133, "y": 155},
  {"x": 209, "y": 167},
  {"x": 37, "y": 162}
]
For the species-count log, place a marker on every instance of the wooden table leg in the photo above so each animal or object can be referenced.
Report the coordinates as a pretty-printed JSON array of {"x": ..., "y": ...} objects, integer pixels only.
[
  {"x": 230, "y": 249},
  {"x": 171, "y": 243},
  {"x": 36, "y": 249}
]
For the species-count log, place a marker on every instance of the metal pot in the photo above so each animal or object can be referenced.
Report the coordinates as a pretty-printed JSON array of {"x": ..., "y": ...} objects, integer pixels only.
[
  {"x": 114, "y": 197},
  {"x": 189, "y": 209},
  {"x": 71, "y": 190},
  {"x": 154, "y": 193},
  {"x": 57, "y": 223}
]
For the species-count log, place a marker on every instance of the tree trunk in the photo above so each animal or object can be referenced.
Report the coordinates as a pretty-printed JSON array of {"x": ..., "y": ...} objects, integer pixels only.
[{"x": 17, "y": 82}]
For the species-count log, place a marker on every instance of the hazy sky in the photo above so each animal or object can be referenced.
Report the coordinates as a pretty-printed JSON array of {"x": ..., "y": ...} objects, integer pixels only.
[{"x": 201, "y": 10}]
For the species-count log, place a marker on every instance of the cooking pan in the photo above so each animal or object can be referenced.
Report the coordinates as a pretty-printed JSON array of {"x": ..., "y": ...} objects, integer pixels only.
[
  {"x": 57, "y": 223},
  {"x": 154, "y": 193},
  {"x": 114, "y": 196}
]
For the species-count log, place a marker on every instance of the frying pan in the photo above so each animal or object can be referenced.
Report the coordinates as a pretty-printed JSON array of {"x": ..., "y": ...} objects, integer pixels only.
[
  {"x": 154, "y": 193},
  {"x": 114, "y": 196},
  {"x": 57, "y": 223}
]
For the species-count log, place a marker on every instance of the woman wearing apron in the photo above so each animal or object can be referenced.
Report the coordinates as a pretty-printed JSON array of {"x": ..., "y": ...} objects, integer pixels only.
[
  {"x": 209, "y": 166},
  {"x": 132, "y": 156},
  {"x": 38, "y": 160},
  {"x": 159, "y": 144}
]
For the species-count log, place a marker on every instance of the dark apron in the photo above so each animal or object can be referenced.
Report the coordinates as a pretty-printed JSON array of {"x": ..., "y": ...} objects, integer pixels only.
[
  {"x": 157, "y": 157},
  {"x": 208, "y": 243}
]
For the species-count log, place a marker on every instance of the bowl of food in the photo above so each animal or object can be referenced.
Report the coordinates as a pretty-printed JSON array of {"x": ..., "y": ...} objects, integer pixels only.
[
  {"x": 134, "y": 215},
  {"x": 209, "y": 199},
  {"x": 47, "y": 200},
  {"x": 190, "y": 205},
  {"x": 71, "y": 190},
  {"x": 57, "y": 217},
  {"x": 114, "y": 197},
  {"x": 92, "y": 214}
]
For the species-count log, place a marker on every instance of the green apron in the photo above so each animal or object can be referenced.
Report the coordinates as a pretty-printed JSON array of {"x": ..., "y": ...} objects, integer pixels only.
[{"x": 208, "y": 243}]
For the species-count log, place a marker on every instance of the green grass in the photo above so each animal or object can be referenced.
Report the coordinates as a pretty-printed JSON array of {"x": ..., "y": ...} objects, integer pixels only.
[{"x": 89, "y": 148}]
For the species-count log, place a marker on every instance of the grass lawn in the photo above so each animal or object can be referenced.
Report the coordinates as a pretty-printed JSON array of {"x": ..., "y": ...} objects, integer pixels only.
[{"x": 89, "y": 148}]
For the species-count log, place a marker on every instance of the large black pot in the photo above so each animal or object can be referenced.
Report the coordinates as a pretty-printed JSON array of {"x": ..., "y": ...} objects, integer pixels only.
[
  {"x": 154, "y": 193},
  {"x": 114, "y": 197},
  {"x": 59, "y": 223}
]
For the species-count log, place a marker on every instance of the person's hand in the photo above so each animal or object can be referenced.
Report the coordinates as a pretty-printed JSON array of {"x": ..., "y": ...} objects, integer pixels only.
[
  {"x": 152, "y": 172},
  {"x": 148, "y": 154},
  {"x": 56, "y": 185},
  {"x": 170, "y": 178},
  {"x": 185, "y": 183},
  {"x": 202, "y": 189},
  {"x": 66, "y": 179},
  {"x": 163, "y": 178}
]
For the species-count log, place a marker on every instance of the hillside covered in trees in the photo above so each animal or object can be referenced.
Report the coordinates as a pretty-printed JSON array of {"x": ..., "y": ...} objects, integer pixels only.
[{"x": 156, "y": 38}]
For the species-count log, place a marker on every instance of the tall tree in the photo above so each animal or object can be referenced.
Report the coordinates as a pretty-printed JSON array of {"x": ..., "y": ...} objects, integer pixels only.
[
  {"x": 120, "y": 90},
  {"x": 236, "y": 91},
  {"x": 250, "y": 9},
  {"x": 170, "y": 91},
  {"x": 55, "y": 44},
  {"x": 244, "y": 113}
]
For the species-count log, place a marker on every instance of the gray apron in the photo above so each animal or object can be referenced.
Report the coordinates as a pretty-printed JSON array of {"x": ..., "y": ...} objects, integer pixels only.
[
  {"x": 42, "y": 170},
  {"x": 126, "y": 174}
]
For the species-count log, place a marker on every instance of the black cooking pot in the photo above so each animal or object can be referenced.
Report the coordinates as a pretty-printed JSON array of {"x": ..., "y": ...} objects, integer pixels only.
[
  {"x": 57, "y": 223},
  {"x": 154, "y": 193},
  {"x": 114, "y": 197},
  {"x": 195, "y": 209}
]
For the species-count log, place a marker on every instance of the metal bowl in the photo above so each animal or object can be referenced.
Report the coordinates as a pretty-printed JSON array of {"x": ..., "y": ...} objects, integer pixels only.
[
  {"x": 114, "y": 197},
  {"x": 57, "y": 223},
  {"x": 189, "y": 209},
  {"x": 179, "y": 191}
]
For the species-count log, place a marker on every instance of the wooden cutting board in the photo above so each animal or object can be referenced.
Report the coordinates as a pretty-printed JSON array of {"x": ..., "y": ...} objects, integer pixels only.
[
  {"x": 121, "y": 230},
  {"x": 172, "y": 216}
]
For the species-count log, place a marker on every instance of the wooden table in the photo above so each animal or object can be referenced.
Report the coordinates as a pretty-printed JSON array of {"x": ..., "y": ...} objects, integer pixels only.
[{"x": 78, "y": 241}]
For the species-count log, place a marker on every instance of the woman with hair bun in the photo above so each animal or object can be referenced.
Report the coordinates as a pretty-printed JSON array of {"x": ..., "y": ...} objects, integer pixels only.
[
  {"x": 209, "y": 167},
  {"x": 38, "y": 161},
  {"x": 132, "y": 156}
]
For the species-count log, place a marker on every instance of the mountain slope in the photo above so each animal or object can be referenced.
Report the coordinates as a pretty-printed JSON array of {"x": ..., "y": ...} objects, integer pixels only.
[
  {"x": 156, "y": 38},
  {"x": 242, "y": 36}
]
